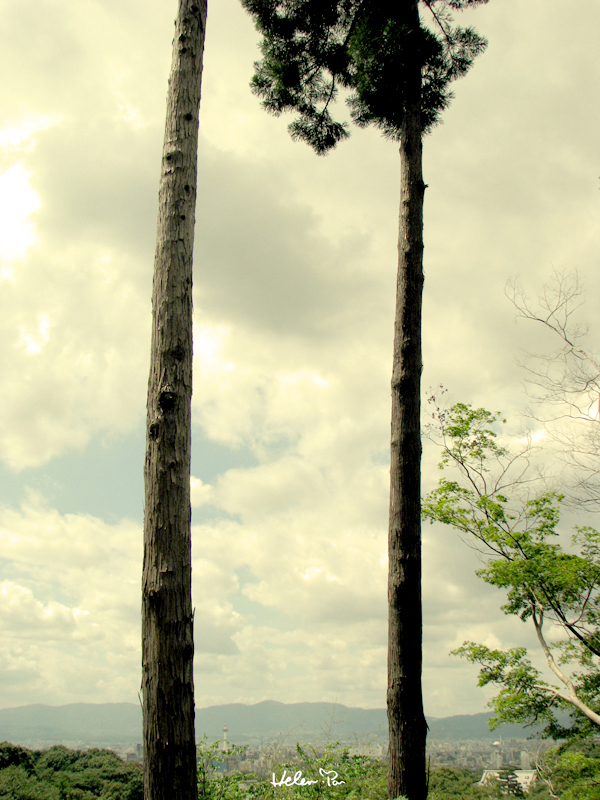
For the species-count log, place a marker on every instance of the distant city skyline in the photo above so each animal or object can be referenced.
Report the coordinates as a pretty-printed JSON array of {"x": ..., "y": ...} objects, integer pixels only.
[{"x": 118, "y": 723}]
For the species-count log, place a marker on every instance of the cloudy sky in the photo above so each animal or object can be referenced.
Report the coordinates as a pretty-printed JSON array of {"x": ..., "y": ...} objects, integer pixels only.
[{"x": 294, "y": 286}]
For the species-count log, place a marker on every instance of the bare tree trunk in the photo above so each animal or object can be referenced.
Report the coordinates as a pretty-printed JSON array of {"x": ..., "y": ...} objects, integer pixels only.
[
  {"x": 167, "y": 618},
  {"x": 407, "y": 726}
]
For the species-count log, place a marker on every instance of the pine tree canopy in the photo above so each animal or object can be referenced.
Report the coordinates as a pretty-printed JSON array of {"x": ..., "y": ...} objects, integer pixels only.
[{"x": 312, "y": 48}]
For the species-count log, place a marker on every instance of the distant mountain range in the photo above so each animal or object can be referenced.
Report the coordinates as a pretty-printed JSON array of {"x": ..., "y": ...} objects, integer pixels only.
[{"x": 110, "y": 724}]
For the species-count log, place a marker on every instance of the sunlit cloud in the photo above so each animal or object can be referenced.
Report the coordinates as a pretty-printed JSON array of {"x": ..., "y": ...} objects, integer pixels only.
[
  {"x": 209, "y": 344},
  {"x": 18, "y": 201},
  {"x": 33, "y": 342},
  {"x": 21, "y": 133}
]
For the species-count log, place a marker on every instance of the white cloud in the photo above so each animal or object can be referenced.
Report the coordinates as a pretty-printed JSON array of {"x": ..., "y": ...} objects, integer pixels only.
[
  {"x": 26, "y": 617},
  {"x": 200, "y": 493},
  {"x": 91, "y": 634},
  {"x": 82, "y": 379}
]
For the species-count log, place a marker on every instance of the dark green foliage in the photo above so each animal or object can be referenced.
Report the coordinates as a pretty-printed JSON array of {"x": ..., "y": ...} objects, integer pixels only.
[
  {"x": 539, "y": 791},
  {"x": 312, "y": 48},
  {"x": 132, "y": 790},
  {"x": 447, "y": 783},
  {"x": 57, "y": 759},
  {"x": 63, "y": 774},
  {"x": 17, "y": 784},
  {"x": 83, "y": 775},
  {"x": 13, "y": 755}
]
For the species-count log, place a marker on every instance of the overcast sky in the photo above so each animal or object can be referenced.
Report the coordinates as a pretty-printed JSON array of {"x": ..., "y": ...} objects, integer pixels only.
[{"x": 295, "y": 268}]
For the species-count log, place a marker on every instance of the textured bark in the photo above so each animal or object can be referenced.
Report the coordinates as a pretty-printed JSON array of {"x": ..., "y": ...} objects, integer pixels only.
[
  {"x": 167, "y": 618},
  {"x": 407, "y": 726}
]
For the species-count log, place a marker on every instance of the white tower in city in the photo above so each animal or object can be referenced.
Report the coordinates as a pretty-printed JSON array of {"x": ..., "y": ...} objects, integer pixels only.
[{"x": 224, "y": 746}]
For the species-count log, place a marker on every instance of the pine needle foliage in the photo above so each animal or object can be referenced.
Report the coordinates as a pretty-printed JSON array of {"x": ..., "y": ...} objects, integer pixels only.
[{"x": 313, "y": 48}]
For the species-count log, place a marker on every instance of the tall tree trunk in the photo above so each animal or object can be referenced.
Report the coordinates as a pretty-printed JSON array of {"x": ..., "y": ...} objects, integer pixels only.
[
  {"x": 407, "y": 726},
  {"x": 167, "y": 618}
]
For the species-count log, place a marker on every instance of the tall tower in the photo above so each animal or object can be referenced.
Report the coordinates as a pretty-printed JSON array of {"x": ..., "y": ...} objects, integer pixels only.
[{"x": 224, "y": 747}]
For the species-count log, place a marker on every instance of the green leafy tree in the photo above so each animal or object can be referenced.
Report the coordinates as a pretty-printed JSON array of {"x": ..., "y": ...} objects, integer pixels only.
[
  {"x": 396, "y": 67},
  {"x": 84, "y": 775},
  {"x": 336, "y": 772},
  {"x": 368, "y": 780},
  {"x": 539, "y": 790},
  {"x": 212, "y": 783},
  {"x": 63, "y": 774},
  {"x": 12, "y": 754},
  {"x": 133, "y": 789},
  {"x": 492, "y": 498},
  {"x": 449, "y": 783},
  {"x": 572, "y": 771},
  {"x": 57, "y": 758},
  {"x": 331, "y": 773},
  {"x": 17, "y": 784}
]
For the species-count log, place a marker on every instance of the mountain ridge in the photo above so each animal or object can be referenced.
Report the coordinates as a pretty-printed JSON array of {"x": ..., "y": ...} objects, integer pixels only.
[{"x": 117, "y": 723}]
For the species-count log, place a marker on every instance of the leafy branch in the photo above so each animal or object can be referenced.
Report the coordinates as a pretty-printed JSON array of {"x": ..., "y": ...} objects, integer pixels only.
[{"x": 492, "y": 502}]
